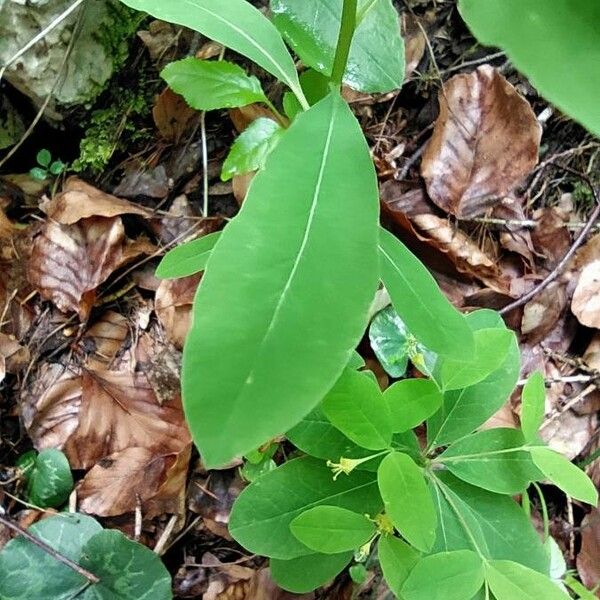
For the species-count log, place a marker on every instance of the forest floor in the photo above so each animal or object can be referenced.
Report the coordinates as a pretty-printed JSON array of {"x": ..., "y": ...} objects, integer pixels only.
[{"x": 90, "y": 340}]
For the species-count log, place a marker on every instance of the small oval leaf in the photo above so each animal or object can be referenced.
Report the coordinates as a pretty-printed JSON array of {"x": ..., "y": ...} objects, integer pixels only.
[
  {"x": 188, "y": 259},
  {"x": 411, "y": 401},
  {"x": 532, "y": 406}
]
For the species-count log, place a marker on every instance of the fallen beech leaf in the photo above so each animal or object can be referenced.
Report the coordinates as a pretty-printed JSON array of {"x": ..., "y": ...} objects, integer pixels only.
[
  {"x": 513, "y": 237},
  {"x": 173, "y": 306},
  {"x": 173, "y": 116},
  {"x": 244, "y": 115},
  {"x": 485, "y": 142},
  {"x": 113, "y": 486},
  {"x": 586, "y": 299},
  {"x": 6, "y": 227},
  {"x": 13, "y": 356},
  {"x": 414, "y": 43},
  {"x": 541, "y": 314},
  {"x": 68, "y": 262},
  {"x": 93, "y": 414},
  {"x": 551, "y": 238},
  {"x": 79, "y": 200},
  {"x": 104, "y": 340},
  {"x": 569, "y": 433},
  {"x": 588, "y": 559},
  {"x": 241, "y": 183}
]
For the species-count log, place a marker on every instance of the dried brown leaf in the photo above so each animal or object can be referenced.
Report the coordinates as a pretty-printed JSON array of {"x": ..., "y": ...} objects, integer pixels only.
[
  {"x": 586, "y": 298},
  {"x": 588, "y": 559},
  {"x": 414, "y": 43},
  {"x": 79, "y": 200},
  {"x": 173, "y": 305},
  {"x": 13, "y": 356},
  {"x": 173, "y": 116},
  {"x": 550, "y": 237},
  {"x": 68, "y": 262},
  {"x": 485, "y": 142},
  {"x": 104, "y": 340},
  {"x": 541, "y": 314}
]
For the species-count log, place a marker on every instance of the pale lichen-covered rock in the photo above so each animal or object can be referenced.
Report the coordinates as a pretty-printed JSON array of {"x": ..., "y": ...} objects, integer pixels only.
[{"x": 101, "y": 31}]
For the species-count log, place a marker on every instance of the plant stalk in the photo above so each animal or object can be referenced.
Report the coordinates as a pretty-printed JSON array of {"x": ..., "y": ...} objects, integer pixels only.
[{"x": 342, "y": 50}]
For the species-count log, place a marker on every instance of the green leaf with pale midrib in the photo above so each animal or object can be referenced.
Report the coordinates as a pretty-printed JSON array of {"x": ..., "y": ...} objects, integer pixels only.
[
  {"x": 187, "y": 259},
  {"x": 235, "y": 24},
  {"x": 285, "y": 296}
]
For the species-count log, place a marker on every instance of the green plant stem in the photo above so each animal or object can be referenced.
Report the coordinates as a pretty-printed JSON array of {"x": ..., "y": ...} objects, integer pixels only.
[
  {"x": 540, "y": 494},
  {"x": 342, "y": 50}
]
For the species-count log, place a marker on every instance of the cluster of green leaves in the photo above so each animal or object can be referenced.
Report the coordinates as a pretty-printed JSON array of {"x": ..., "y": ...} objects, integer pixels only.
[
  {"x": 442, "y": 517},
  {"x": 46, "y": 167},
  {"x": 126, "y": 570}
]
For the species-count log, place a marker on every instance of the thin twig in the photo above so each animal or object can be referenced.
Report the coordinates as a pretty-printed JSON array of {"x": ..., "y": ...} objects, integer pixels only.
[
  {"x": 204, "y": 164},
  {"x": 474, "y": 62},
  {"x": 10, "y": 524},
  {"x": 558, "y": 269}
]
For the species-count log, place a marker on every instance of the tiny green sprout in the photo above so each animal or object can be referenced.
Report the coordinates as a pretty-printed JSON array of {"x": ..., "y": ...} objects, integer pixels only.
[
  {"x": 46, "y": 166},
  {"x": 358, "y": 573}
]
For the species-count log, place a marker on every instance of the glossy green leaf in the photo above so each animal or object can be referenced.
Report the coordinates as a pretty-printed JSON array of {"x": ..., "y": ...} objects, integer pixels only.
[
  {"x": 492, "y": 346},
  {"x": 558, "y": 49},
  {"x": 44, "y": 158},
  {"x": 306, "y": 573},
  {"x": 445, "y": 576},
  {"x": 235, "y": 24},
  {"x": 564, "y": 474},
  {"x": 210, "y": 85},
  {"x": 187, "y": 259},
  {"x": 315, "y": 87},
  {"x": 355, "y": 405},
  {"x": 532, "y": 406},
  {"x": 465, "y": 410},
  {"x": 50, "y": 480},
  {"x": 411, "y": 401},
  {"x": 311, "y": 27},
  {"x": 421, "y": 305},
  {"x": 497, "y": 460},
  {"x": 250, "y": 150},
  {"x": 494, "y": 526},
  {"x": 57, "y": 167},
  {"x": 127, "y": 570},
  {"x": 389, "y": 339},
  {"x": 356, "y": 361},
  {"x": 407, "y": 500},
  {"x": 286, "y": 319},
  {"x": 261, "y": 517},
  {"x": 331, "y": 529},
  {"x": 511, "y": 581},
  {"x": 397, "y": 559}
]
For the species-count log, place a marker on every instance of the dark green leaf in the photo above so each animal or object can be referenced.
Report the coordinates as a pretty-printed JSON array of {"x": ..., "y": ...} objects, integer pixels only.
[
  {"x": 407, "y": 500},
  {"x": 57, "y": 167},
  {"x": 445, "y": 576},
  {"x": 420, "y": 303},
  {"x": 187, "y": 259},
  {"x": 235, "y": 24},
  {"x": 38, "y": 173},
  {"x": 306, "y": 573},
  {"x": 411, "y": 401},
  {"x": 315, "y": 87},
  {"x": 44, "y": 158},
  {"x": 397, "y": 560},
  {"x": 558, "y": 49},
  {"x": 564, "y": 474},
  {"x": 261, "y": 517},
  {"x": 511, "y": 581},
  {"x": 495, "y": 526},
  {"x": 388, "y": 337},
  {"x": 355, "y": 405},
  {"x": 331, "y": 529},
  {"x": 50, "y": 481},
  {"x": 497, "y": 460},
  {"x": 209, "y": 85},
  {"x": 250, "y": 150},
  {"x": 532, "y": 406},
  {"x": 376, "y": 61},
  {"x": 285, "y": 318}
]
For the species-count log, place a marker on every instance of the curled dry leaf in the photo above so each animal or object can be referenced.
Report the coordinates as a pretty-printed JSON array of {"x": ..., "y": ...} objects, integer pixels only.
[
  {"x": 13, "y": 356},
  {"x": 541, "y": 314},
  {"x": 173, "y": 116},
  {"x": 68, "y": 262},
  {"x": 551, "y": 238},
  {"x": 104, "y": 340},
  {"x": 79, "y": 200},
  {"x": 173, "y": 305},
  {"x": 588, "y": 559},
  {"x": 485, "y": 142},
  {"x": 513, "y": 237},
  {"x": 414, "y": 43},
  {"x": 586, "y": 298}
]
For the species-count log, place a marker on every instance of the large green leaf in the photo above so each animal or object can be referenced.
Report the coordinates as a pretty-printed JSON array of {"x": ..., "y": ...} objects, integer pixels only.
[
  {"x": 306, "y": 573},
  {"x": 285, "y": 296},
  {"x": 407, "y": 500},
  {"x": 411, "y": 401},
  {"x": 464, "y": 410},
  {"x": 421, "y": 305},
  {"x": 50, "y": 480},
  {"x": 127, "y": 570},
  {"x": 397, "y": 560},
  {"x": 494, "y": 526},
  {"x": 250, "y": 150},
  {"x": 511, "y": 581},
  {"x": 332, "y": 530},
  {"x": 445, "y": 576},
  {"x": 235, "y": 24},
  {"x": 187, "y": 259},
  {"x": 569, "y": 478},
  {"x": 497, "y": 460},
  {"x": 311, "y": 27},
  {"x": 209, "y": 85},
  {"x": 261, "y": 517},
  {"x": 557, "y": 45},
  {"x": 355, "y": 405},
  {"x": 532, "y": 406}
]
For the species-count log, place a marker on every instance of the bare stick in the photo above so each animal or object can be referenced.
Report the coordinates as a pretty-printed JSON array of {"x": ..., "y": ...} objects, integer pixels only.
[
  {"x": 558, "y": 269},
  {"x": 7, "y": 522}
]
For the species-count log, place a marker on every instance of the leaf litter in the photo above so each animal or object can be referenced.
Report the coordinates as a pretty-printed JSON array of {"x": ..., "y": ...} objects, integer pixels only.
[{"x": 90, "y": 342}]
